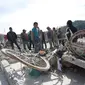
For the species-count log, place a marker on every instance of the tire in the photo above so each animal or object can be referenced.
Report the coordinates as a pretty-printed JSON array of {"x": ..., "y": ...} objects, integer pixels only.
[{"x": 28, "y": 59}]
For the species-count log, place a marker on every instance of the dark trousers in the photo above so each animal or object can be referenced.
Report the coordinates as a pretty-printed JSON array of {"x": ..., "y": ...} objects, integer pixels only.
[
  {"x": 31, "y": 44},
  {"x": 68, "y": 36},
  {"x": 12, "y": 44}
]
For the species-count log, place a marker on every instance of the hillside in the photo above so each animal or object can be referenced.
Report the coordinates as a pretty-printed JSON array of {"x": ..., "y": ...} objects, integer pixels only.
[{"x": 79, "y": 24}]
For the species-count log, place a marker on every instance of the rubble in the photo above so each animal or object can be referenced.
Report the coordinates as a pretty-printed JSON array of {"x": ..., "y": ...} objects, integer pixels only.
[{"x": 18, "y": 74}]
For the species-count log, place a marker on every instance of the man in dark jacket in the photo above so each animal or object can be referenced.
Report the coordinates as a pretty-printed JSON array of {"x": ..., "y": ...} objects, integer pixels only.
[
  {"x": 12, "y": 38},
  {"x": 70, "y": 29}
]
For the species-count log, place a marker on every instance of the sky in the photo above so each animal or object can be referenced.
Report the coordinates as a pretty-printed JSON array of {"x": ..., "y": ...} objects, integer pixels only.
[{"x": 20, "y": 14}]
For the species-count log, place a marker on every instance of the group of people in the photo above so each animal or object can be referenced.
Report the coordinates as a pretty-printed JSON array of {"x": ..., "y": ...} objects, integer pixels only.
[{"x": 36, "y": 37}]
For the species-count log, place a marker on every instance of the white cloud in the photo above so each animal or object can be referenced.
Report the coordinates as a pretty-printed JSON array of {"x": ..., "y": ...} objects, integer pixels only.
[{"x": 45, "y": 12}]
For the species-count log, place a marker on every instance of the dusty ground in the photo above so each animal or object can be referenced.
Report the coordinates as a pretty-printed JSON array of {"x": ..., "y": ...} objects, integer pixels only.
[{"x": 69, "y": 77}]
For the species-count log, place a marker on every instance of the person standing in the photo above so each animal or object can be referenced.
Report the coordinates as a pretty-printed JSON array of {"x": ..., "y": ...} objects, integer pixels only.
[
  {"x": 30, "y": 40},
  {"x": 24, "y": 38},
  {"x": 35, "y": 37},
  {"x": 55, "y": 37},
  {"x": 50, "y": 36},
  {"x": 42, "y": 39},
  {"x": 12, "y": 38}
]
